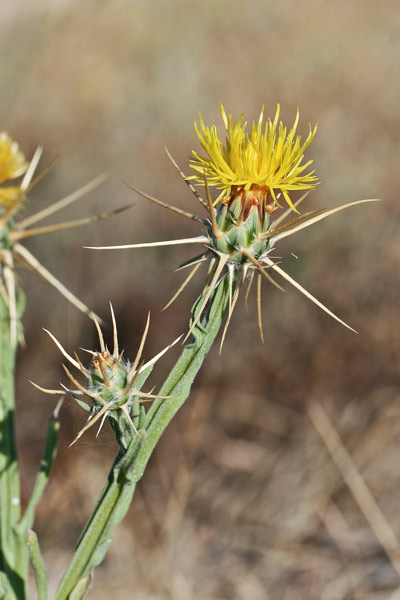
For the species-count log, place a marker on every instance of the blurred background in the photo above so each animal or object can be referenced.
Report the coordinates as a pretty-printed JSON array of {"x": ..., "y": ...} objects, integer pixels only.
[{"x": 250, "y": 494}]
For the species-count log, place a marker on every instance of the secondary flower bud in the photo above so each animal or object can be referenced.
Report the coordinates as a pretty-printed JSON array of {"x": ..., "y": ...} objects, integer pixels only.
[{"x": 112, "y": 385}]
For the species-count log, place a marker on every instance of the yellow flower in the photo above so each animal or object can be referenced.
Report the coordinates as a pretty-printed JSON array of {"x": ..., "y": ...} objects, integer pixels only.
[
  {"x": 269, "y": 158},
  {"x": 14, "y": 231},
  {"x": 12, "y": 165},
  {"x": 12, "y": 160}
]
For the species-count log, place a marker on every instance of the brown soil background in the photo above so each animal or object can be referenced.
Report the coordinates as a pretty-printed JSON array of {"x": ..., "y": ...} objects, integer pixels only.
[{"x": 242, "y": 499}]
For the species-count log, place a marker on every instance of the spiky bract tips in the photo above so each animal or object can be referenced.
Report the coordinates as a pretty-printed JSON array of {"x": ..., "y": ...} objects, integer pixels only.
[
  {"x": 112, "y": 386},
  {"x": 13, "y": 230}
]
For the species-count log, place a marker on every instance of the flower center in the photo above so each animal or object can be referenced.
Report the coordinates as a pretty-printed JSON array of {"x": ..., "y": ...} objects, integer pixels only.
[{"x": 257, "y": 195}]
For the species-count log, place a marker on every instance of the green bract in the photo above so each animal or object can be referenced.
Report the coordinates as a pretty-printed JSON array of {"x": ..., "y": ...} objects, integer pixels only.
[{"x": 240, "y": 231}]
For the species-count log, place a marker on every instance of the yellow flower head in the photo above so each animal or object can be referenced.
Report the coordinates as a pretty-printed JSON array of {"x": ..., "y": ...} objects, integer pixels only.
[
  {"x": 12, "y": 165},
  {"x": 269, "y": 157}
]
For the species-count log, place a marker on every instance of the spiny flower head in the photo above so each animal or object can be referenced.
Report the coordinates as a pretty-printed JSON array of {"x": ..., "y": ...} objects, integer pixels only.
[
  {"x": 239, "y": 232},
  {"x": 112, "y": 385},
  {"x": 12, "y": 230},
  {"x": 266, "y": 161}
]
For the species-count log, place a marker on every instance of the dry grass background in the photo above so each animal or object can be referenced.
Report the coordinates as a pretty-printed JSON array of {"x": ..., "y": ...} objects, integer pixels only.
[{"x": 243, "y": 498}]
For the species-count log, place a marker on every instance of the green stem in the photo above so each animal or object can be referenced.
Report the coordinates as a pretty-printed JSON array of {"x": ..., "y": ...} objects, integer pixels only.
[
  {"x": 130, "y": 463},
  {"x": 111, "y": 507},
  {"x": 14, "y": 555},
  {"x": 180, "y": 379},
  {"x": 14, "y": 552},
  {"x": 42, "y": 477}
]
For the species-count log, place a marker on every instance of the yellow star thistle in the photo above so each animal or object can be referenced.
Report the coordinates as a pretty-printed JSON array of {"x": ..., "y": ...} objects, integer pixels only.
[
  {"x": 239, "y": 231},
  {"x": 12, "y": 165},
  {"x": 269, "y": 158}
]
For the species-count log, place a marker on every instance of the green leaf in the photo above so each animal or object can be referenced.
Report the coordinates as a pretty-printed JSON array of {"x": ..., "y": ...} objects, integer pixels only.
[{"x": 38, "y": 566}]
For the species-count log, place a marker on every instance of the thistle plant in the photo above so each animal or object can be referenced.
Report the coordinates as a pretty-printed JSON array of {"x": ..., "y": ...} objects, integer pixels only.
[{"x": 256, "y": 174}]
